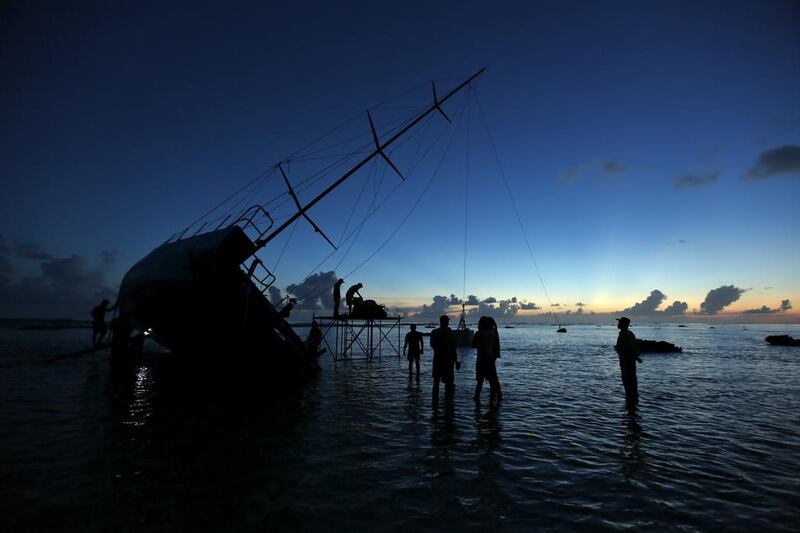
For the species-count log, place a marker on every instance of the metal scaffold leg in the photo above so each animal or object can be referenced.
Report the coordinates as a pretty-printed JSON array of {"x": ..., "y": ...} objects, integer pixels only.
[{"x": 350, "y": 338}]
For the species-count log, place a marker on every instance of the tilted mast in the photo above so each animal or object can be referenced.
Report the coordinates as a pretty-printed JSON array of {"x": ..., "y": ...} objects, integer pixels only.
[{"x": 379, "y": 151}]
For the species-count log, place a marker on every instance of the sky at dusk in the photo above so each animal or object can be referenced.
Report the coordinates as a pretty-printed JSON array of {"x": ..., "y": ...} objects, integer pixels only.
[{"x": 652, "y": 149}]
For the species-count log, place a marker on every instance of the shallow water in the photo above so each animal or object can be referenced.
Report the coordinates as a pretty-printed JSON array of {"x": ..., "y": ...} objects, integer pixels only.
[{"x": 714, "y": 444}]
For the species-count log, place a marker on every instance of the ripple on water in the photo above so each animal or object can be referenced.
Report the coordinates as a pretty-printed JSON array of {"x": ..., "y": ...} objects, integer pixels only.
[{"x": 714, "y": 444}]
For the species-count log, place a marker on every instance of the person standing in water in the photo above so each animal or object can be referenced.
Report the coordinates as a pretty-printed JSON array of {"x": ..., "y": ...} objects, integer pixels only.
[
  {"x": 444, "y": 357},
  {"x": 99, "y": 328},
  {"x": 337, "y": 297},
  {"x": 628, "y": 353},
  {"x": 413, "y": 347},
  {"x": 487, "y": 342}
]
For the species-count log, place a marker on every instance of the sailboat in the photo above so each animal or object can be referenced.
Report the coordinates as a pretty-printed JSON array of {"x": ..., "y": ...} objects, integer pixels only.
[{"x": 205, "y": 296}]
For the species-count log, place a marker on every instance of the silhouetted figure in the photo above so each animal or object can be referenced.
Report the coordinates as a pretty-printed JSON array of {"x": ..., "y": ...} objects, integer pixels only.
[
  {"x": 353, "y": 297},
  {"x": 287, "y": 309},
  {"x": 628, "y": 356},
  {"x": 444, "y": 358},
  {"x": 312, "y": 347},
  {"x": 99, "y": 328},
  {"x": 413, "y": 347},
  {"x": 337, "y": 296},
  {"x": 314, "y": 337},
  {"x": 487, "y": 342}
]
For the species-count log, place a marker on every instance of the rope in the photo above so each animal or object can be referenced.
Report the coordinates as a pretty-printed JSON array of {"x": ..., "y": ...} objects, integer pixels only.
[
  {"x": 466, "y": 205},
  {"x": 514, "y": 206},
  {"x": 314, "y": 293},
  {"x": 416, "y": 203}
]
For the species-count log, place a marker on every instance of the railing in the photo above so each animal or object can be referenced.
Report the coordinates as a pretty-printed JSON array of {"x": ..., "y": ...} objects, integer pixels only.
[
  {"x": 260, "y": 275},
  {"x": 252, "y": 215}
]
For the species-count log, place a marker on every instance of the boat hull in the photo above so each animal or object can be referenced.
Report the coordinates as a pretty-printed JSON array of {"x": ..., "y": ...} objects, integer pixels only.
[{"x": 195, "y": 299}]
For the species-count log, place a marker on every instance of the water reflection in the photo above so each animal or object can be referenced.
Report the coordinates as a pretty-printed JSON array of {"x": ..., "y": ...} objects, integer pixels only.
[
  {"x": 413, "y": 399},
  {"x": 443, "y": 427},
  {"x": 632, "y": 458},
  {"x": 487, "y": 427}
]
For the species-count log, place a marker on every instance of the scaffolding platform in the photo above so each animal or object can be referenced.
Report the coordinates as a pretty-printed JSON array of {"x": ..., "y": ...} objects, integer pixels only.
[{"x": 348, "y": 338}]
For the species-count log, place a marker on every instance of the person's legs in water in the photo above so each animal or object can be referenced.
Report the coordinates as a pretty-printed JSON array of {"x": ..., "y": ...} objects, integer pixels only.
[
  {"x": 478, "y": 388},
  {"x": 449, "y": 386}
]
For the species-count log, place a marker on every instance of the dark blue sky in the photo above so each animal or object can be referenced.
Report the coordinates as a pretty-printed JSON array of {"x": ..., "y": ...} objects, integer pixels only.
[{"x": 629, "y": 132}]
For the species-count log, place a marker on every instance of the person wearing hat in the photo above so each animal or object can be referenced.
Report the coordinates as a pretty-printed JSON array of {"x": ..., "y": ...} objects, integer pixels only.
[
  {"x": 444, "y": 357},
  {"x": 99, "y": 328},
  {"x": 628, "y": 353}
]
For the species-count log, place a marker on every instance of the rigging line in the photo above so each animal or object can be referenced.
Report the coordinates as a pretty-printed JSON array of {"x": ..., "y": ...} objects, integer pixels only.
[
  {"x": 351, "y": 119},
  {"x": 377, "y": 188},
  {"x": 225, "y": 213},
  {"x": 423, "y": 135},
  {"x": 285, "y": 244},
  {"x": 417, "y": 202},
  {"x": 393, "y": 124},
  {"x": 326, "y": 134},
  {"x": 421, "y": 159},
  {"x": 303, "y": 185},
  {"x": 246, "y": 200},
  {"x": 357, "y": 230},
  {"x": 358, "y": 199},
  {"x": 316, "y": 177},
  {"x": 242, "y": 188},
  {"x": 514, "y": 206},
  {"x": 321, "y": 157},
  {"x": 466, "y": 198}
]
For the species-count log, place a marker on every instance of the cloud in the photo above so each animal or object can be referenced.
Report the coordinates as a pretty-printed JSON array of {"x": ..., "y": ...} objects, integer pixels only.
[
  {"x": 314, "y": 292},
  {"x": 71, "y": 272},
  {"x": 709, "y": 154},
  {"x": 529, "y": 306},
  {"x": 66, "y": 287},
  {"x": 576, "y": 172},
  {"x": 719, "y": 298},
  {"x": 437, "y": 308},
  {"x": 647, "y": 306},
  {"x": 491, "y": 306},
  {"x": 784, "y": 160},
  {"x": 504, "y": 309},
  {"x": 676, "y": 308},
  {"x": 572, "y": 173},
  {"x": 5, "y": 263},
  {"x": 109, "y": 257},
  {"x": 764, "y": 310},
  {"x": 691, "y": 181},
  {"x": 274, "y": 296},
  {"x": 612, "y": 167},
  {"x": 767, "y": 288},
  {"x": 580, "y": 304},
  {"x": 555, "y": 305},
  {"x": 30, "y": 250}
]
